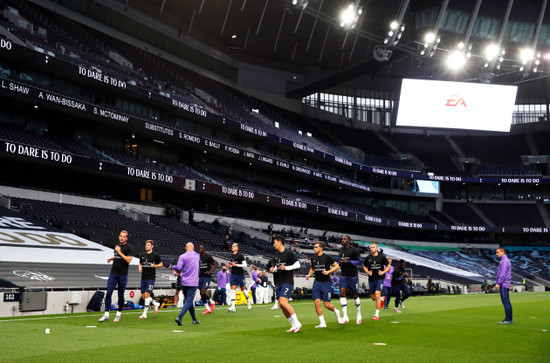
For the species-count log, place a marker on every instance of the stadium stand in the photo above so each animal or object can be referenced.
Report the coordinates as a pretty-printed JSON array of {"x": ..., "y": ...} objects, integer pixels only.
[{"x": 223, "y": 148}]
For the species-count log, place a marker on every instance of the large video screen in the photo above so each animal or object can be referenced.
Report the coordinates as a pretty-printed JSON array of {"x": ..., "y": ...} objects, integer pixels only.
[
  {"x": 426, "y": 186},
  {"x": 456, "y": 105}
]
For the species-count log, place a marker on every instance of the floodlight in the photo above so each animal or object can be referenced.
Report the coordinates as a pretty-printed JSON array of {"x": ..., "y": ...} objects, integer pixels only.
[
  {"x": 456, "y": 60},
  {"x": 491, "y": 52},
  {"x": 429, "y": 37},
  {"x": 526, "y": 54},
  {"x": 300, "y": 4},
  {"x": 350, "y": 15},
  {"x": 347, "y": 15}
]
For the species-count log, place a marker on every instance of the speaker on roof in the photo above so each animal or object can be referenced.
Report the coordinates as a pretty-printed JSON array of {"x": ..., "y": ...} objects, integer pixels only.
[{"x": 381, "y": 53}]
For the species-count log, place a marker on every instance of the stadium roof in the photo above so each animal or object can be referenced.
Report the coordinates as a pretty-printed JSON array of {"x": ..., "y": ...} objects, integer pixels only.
[{"x": 311, "y": 41}]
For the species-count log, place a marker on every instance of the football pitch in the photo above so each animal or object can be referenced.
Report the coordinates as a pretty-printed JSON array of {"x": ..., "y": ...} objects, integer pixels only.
[{"x": 446, "y": 328}]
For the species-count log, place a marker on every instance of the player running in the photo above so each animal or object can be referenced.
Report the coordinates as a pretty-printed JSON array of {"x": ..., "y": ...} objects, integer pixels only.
[
  {"x": 322, "y": 265},
  {"x": 376, "y": 265},
  {"x": 147, "y": 264},
  {"x": 207, "y": 267},
  {"x": 349, "y": 279},
  {"x": 284, "y": 264},
  {"x": 237, "y": 264}
]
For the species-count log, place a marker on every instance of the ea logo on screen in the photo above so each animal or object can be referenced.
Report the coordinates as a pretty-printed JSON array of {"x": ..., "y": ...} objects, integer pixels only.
[{"x": 455, "y": 100}]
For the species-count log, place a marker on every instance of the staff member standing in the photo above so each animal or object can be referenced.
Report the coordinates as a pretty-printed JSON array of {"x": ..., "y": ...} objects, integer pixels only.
[
  {"x": 188, "y": 268},
  {"x": 119, "y": 275},
  {"x": 263, "y": 289},
  {"x": 387, "y": 285},
  {"x": 503, "y": 284},
  {"x": 222, "y": 278}
]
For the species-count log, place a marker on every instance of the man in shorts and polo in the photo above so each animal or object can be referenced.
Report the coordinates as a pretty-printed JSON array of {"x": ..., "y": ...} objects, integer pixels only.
[
  {"x": 222, "y": 279},
  {"x": 283, "y": 265},
  {"x": 322, "y": 265},
  {"x": 206, "y": 268},
  {"x": 237, "y": 264},
  {"x": 376, "y": 265},
  {"x": 349, "y": 280},
  {"x": 147, "y": 264}
]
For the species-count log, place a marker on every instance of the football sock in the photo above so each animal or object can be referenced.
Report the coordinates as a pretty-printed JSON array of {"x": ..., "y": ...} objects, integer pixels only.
[
  {"x": 295, "y": 321},
  {"x": 291, "y": 321},
  {"x": 344, "y": 305}
]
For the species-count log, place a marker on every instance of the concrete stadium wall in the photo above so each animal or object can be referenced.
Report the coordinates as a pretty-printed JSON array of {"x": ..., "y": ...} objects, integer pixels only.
[
  {"x": 57, "y": 301},
  {"x": 64, "y": 302}
]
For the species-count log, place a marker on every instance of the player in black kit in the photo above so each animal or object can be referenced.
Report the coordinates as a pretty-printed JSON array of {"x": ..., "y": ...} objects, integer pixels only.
[
  {"x": 349, "y": 279},
  {"x": 282, "y": 267},
  {"x": 119, "y": 275},
  {"x": 376, "y": 265},
  {"x": 237, "y": 264},
  {"x": 322, "y": 265},
  {"x": 147, "y": 264},
  {"x": 399, "y": 286},
  {"x": 207, "y": 266}
]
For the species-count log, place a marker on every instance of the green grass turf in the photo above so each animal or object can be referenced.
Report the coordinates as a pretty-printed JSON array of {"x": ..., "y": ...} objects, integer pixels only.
[{"x": 443, "y": 328}]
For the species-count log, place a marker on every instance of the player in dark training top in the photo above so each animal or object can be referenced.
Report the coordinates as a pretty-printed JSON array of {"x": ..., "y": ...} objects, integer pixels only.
[
  {"x": 237, "y": 264},
  {"x": 148, "y": 262},
  {"x": 400, "y": 289},
  {"x": 119, "y": 275},
  {"x": 376, "y": 265},
  {"x": 282, "y": 267},
  {"x": 322, "y": 265},
  {"x": 206, "y": 268},
  {"x": 349, "y": 280}
]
